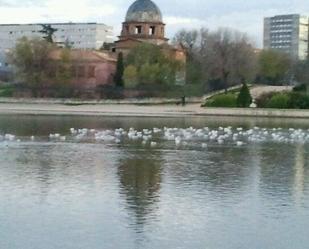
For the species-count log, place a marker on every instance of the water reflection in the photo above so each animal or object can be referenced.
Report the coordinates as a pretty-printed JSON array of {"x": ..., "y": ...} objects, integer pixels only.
[
  {"x": 41, "y": 161},
  {"x": 140, "y": 176},
  {"x": 299, "y": 174},
  {"x": 221, "y": 170},
  {"x": 277, "y": 178}
]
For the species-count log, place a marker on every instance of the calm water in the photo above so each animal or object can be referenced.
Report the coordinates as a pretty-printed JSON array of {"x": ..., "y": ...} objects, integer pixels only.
[{"x": 84, "y": 193}]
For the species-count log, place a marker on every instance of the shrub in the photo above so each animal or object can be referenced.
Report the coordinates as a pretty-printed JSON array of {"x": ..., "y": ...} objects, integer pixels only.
[
  {"x": 244, "y": 98},
  {"x": 299, "y": 100},
  {"x": 6, "y": 91},
  {"x": 280, "y": 100},
  {"x": 223, "y": 100},
  {"x": 300, "y": 88}
]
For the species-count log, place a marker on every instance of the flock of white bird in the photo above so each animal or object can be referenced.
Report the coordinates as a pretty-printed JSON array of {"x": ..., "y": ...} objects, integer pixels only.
[{"x": 180, "y": 137}]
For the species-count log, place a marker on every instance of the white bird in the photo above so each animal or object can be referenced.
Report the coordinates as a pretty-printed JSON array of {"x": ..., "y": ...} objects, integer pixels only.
[
  {"x": 178, "y": 141},
  {"x": 153, "y": 144},
  {"x": 220, "y": 141},
  {"x": 239, "y": 143},
  {"x": 204, "y": 146},
  {"x": 9, "y": 137}
]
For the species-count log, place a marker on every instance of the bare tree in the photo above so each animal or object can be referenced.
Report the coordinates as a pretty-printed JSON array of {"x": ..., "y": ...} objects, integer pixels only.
[
  {"x": 220, "y": 58},
  {"x": 188, "y": 38},
  {"x": 228, "y": 57}
]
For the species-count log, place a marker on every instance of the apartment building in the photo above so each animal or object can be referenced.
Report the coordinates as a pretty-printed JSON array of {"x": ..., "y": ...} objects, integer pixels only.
[
  {"x": 287, "y": 33},
  {"x": 78, "y": 35}
]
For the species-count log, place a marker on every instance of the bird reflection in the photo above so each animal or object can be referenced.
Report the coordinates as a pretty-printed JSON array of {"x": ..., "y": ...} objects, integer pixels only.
[{"x": 140, "y": 179}]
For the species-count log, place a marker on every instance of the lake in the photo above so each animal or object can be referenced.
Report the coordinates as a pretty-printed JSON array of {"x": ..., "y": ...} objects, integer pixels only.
[{"x": 172, "y": 183}]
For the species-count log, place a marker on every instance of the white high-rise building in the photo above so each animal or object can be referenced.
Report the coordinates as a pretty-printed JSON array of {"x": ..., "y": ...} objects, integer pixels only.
[
  {"x": 78, "y": 35},
  {"x": 287, "y": 33}
]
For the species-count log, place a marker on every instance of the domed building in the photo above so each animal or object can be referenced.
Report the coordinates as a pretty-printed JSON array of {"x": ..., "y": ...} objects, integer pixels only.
[{"x": 144, "y": 22}]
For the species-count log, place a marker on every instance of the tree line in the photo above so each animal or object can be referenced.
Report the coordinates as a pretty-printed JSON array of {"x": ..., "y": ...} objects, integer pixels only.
[
  {"x": 215, "y": 60},
  {"x": 224, "y": 57}
]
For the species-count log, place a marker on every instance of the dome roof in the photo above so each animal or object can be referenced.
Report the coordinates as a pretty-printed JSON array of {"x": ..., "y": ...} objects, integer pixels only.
[{"x": 144, "y": 11}]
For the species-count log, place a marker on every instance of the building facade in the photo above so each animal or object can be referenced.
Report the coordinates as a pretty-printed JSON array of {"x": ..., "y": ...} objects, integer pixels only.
[
  {"x": 77, "y": 35},
  {"x": 287, "y": 33},
  {"x": 89, "y": 69}
]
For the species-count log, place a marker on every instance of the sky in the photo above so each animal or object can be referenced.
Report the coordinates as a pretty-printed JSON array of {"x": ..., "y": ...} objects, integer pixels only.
[{"x": 243, "y": 15}]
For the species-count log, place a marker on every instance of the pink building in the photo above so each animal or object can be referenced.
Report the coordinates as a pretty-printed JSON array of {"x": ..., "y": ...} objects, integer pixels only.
[{"x": 89, "y": 69}]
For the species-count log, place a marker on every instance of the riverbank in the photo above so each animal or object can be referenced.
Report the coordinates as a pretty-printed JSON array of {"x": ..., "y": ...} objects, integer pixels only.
[
  {"x": 124, "y": 110},
  {"x": 130, "y": 101}
]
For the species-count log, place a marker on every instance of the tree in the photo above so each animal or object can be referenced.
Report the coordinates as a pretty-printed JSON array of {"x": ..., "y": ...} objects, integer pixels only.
[
  {"x": 130, "y": 76},
  {"x": 189, "y": 39},
  {"x": 228, "y": 57},
  {"x": 143, "y": 54},
  {"x": 118, "y": 78},
  {"x": 48, "y": 31},
  {"x": 35, "y": 67},
  {"x": 149, "y": 74},
  {"x": 64, "y": 75},
  {"x": 218, "y": 59},
  {"x": 152, "y": 65},
  {"x": 64, "y": 72},
  {"x": 244, "y": 98},
  {"x": 302, "y": 73},
  {"x": 274, "y": 67},
  {"x": 31, "y": 61}
]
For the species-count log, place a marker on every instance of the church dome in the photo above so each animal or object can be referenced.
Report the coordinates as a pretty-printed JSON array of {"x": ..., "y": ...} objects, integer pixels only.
[{"x": 144, "y": 11}]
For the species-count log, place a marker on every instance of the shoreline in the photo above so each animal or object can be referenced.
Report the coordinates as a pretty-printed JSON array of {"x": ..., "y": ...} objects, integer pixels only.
[{"x": 137, "y": 110}]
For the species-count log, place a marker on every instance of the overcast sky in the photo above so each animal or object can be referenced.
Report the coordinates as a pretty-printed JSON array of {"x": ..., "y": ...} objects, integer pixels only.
[{"x": 244, "y": 15}]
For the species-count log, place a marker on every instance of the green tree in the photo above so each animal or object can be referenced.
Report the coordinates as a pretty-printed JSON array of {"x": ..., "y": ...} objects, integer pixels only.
[
  {"x": 152, "y": 65},
  {"x": 244, "y": 98},
  {"x": 48, "y": 31},
  {"x": 118, "y": 78},
  {"x": 64, "y": 72},
  {"x": 130, "y": 76},
  {"x": 64, "y": 75},
  {"x": 302, "y": 73},
  {"x": 274, "y": 67},
  {"x": 31, "y": 61},
  {"x": 149, "y": 74},
  {"x": 143, "y": 54}
]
